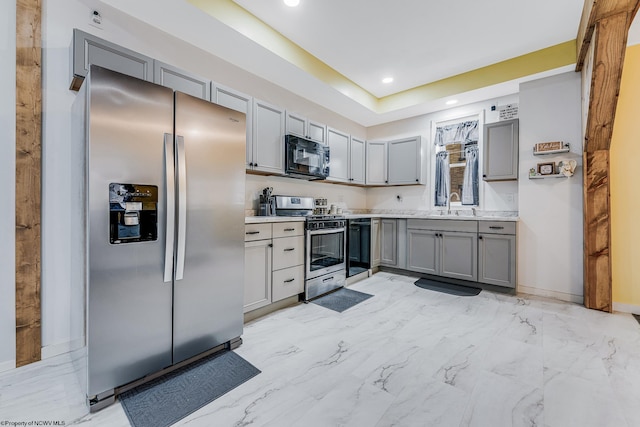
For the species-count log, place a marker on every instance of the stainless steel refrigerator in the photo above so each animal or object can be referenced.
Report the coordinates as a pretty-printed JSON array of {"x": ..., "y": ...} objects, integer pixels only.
[{"x": 162, "y": 183}]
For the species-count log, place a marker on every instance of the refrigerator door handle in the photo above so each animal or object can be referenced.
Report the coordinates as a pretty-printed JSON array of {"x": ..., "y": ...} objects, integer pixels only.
[
  {"x": 171, "y": 206},
  {"x": 182, "y": 206}
]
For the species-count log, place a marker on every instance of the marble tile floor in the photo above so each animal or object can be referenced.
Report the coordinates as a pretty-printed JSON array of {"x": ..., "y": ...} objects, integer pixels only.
[{"x": 406, "y": 357}]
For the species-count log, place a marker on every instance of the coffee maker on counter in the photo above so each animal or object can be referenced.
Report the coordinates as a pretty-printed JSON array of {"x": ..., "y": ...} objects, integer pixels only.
[{"x": 267, "y": 205}]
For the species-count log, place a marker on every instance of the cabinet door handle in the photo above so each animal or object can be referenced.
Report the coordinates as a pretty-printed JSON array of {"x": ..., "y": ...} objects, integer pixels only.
[
  {"x": 289, "y": 281},
  {"x": 289, "y": 229},
  {"x": 252, "y": 232},
  {"x": 289, "y": 249},
  {"x": 479, "y": 237},
  {"x": 270, "y": 245},
  {"x": 493, "y": 227}
]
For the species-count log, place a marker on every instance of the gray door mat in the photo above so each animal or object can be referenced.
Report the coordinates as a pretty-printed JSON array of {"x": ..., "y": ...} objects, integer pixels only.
[
  {"x": 341, "y": 300},
  {"x": 447, "y": 288},
  {"x": 171, "y": 397}
]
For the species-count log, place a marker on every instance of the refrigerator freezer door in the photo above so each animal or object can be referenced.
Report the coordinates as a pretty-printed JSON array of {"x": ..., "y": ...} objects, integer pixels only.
[
  {"x": 208, "y": 298},
  {"x": 129, "y": 304}
]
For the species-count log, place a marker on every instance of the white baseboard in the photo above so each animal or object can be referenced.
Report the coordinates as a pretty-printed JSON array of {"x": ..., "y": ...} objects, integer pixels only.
[
  {"x": 577, "y": 299},
  {"x": 626, "y": 308},
  {"x": 61, "y": 348},
  {"x": 8, "y": 365}
]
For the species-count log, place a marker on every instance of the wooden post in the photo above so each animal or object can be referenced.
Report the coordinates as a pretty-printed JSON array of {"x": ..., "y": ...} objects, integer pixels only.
[
  {"x": 28, "y": 175},
  {"x": 605, "y": 23}
]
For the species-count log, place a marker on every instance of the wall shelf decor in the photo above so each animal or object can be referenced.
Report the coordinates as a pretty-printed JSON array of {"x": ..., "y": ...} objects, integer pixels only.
[
  {"x": 555, "y": 175},
  {"x": 544, "y": 148}
]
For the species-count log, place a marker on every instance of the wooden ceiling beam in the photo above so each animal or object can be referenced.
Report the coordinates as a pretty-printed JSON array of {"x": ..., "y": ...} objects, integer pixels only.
[{"x": 594, "y": 11}]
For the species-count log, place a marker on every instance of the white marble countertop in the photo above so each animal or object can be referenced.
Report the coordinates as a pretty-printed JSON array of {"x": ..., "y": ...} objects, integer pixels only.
[
  {"x": 483, "y": 217},
  {"x": 436, "y": 216}
]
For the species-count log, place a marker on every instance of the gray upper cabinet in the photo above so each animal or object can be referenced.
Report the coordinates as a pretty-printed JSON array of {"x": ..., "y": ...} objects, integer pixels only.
[
  {"x": 405, "y": 161},
  {"x": 376, "y": 164},
  {"x": 317, "y": 132},
  {"x": 268, "y": 138},
  {"x": 296, "y": 125},
  {"x": 181, "y": 81},
  {"x": 241, "y": 102},
  {"x": 87, "y": 49},
  {"x": 338, "y": 155},
  {"x": 501, "y": 151},
  {"x": 305, "y": 128},
  {"x": 356, "y": 161}
]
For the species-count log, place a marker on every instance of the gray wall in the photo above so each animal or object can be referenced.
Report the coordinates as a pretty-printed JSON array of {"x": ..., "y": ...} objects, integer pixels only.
[
  {"x": 550, "y": 227},
  {"x": 8, "y": 183}
]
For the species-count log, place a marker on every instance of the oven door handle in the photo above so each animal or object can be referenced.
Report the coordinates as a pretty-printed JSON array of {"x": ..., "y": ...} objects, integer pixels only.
[{"x": 326, "y": 231}]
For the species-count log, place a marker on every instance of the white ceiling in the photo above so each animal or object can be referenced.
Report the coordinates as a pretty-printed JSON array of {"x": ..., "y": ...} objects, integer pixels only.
[{"x": 418, "y": 41}]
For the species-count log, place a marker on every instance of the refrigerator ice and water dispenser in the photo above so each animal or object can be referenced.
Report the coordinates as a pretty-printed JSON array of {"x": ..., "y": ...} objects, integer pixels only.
[{"x": 133, "y": 213}]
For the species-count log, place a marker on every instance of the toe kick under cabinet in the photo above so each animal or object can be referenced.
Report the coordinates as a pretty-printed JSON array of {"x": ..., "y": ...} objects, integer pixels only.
[{"x": 274, "y": 263}]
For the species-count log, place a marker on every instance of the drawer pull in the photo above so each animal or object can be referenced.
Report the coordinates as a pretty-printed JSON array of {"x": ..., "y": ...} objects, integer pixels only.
[
  {"x": 289, "y": 281},
  {"x": 289, "y": 249},
  {"x": 289, "y": 229},
  {"x": 493, "y": 227},
  {"x": 327, "y": 279},
  {"x": 252, "y": 232}
]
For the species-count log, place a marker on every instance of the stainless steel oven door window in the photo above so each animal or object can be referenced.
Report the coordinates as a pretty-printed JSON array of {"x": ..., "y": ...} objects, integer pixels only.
[{"x": 326, "y": 251}]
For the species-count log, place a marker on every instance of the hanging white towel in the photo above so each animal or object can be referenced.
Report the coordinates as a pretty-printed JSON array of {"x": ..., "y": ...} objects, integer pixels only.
[{"x": 470, "y": 183}]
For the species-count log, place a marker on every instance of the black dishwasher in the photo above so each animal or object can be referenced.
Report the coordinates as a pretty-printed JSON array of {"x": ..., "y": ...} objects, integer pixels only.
[{"x": 358, "y": 246}]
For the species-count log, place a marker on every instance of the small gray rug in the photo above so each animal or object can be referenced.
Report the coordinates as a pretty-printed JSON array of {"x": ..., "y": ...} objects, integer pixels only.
[
  {"x": 342, "y": 299},
  {"x": 447, "y": 288},
  {"x": 168, "y": 399}
]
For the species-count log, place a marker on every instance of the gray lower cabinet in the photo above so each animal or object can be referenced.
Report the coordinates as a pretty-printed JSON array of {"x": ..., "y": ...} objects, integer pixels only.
[
  {"x": 388, "y": 242},
  {"x": 375, "y": 242},
  {"x": 501, "y": 151},
  {"x": 423, "y": 251},
  {"x": 257, "y": 274},
  {"x": 459, "y": 252},
  {"x": 182, "y": 81},
  {"x": 442, "y": 253},
  {"x": 87, "y": 49},
  {"x": 437, "y": 247},
  {"x": 497, "y": 254}
]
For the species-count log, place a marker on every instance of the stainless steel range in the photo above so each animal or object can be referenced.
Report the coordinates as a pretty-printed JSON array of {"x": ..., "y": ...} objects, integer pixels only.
[
  {"x": 326, "y": 266},
  {"x": 325, "y": 257}
]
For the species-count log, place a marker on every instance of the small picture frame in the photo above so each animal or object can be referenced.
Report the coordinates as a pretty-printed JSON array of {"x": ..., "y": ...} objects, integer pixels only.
[{"x": 546, "y": 168}]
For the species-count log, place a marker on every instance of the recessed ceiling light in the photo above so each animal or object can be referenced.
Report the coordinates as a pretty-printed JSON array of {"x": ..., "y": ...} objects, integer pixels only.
[
  {"x": 387, "y": 80},
  {"x": 451, "y": 102},
  {"x": 292, "y": 3}
]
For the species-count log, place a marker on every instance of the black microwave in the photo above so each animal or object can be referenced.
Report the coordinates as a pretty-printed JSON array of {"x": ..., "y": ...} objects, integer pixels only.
[{"x": 305, "y": 159}]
